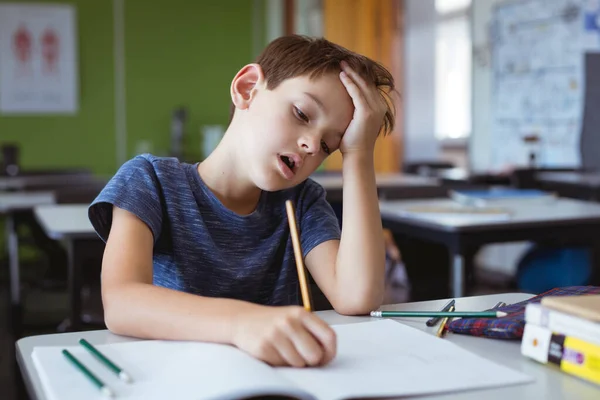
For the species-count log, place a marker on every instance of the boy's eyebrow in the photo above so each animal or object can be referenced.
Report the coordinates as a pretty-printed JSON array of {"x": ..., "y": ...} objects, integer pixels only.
[{"x": 316, "y": 100}]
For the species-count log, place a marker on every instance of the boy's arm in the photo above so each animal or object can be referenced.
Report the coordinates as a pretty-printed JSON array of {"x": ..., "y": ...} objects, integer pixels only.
[
  {"x": 133, "y": 306},
  {"x": 351, "y": 272}
]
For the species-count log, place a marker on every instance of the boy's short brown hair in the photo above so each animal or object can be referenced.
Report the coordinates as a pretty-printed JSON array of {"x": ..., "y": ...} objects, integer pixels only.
[{"x": 295, "y": 55}]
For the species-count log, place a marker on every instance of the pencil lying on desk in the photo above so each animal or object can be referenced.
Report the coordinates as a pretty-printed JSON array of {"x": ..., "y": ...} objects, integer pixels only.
[
  {"x": 445, "y": 321},
  {"x": 304, "y": 289},
  {"x": 435, "y": 320},
  {"x": 427, "y": 314},
  {"x": 124, "y": 376},
  {"x": 105, "y": 390}
]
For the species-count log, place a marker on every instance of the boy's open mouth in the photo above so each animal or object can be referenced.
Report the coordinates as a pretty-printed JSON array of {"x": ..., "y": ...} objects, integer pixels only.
[
  {"x": 288, "y": 165},
  {"x": 288, "y": 161}
]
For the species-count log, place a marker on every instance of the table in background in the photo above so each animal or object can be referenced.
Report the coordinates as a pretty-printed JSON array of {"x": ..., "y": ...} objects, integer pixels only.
[
  {"x": 10, "y": 204},
  {"x": 461, "y": 234},
  {"x": 549, "y": 384},
  {"x": 389, "y": 186},
  {"x": 578, "y": 185},
  {"x": 70, "y": 223}
]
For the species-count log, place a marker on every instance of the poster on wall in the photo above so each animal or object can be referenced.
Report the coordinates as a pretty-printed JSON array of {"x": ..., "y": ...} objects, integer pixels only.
[{"x": 38, "y": 59}]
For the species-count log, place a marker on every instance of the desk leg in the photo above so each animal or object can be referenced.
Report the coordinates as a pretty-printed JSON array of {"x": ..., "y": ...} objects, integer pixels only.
[
  {"x": 458, "y": 275},
  {"x": 74, "y": 288},
  {"x": 15, "y": 311},
  {"x": 15, "y": 279}
]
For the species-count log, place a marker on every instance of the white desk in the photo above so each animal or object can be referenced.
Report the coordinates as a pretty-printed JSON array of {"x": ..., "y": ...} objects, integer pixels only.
[
  {"x": 70, "y": 223},
  {"x": 389, "y": 186},
  {"x": 22, "y": 201},
  {"x": 529, "y": 221},
  {"x": 335, "y": 181},
  {"x": 550, "y": 384},
  {"x": 65, "y": 221},
  {"x": 11, "y": 203}
]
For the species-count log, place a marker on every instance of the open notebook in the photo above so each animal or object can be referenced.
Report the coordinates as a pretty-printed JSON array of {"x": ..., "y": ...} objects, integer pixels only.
[{"x": 375, "y": 359}]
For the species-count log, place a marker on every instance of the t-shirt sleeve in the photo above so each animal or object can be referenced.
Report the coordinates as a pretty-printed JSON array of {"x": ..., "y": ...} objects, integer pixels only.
[
  {"x": 134, "y": 188},
  {"x": 318, "y": 222}
]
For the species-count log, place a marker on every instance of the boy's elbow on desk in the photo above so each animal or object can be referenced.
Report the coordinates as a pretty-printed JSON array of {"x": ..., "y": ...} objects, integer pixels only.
[
  {"x": 114, "y": 325},
  {"x": 119, "y": 303},
  {"x": 113, "y": 314},
  {"x": 352, "y": 303}
]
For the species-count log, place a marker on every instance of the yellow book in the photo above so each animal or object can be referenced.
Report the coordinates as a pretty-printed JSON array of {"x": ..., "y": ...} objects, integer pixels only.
[
  {"x": 581, "y": 359},
  {"x": 572, "y": 355}
]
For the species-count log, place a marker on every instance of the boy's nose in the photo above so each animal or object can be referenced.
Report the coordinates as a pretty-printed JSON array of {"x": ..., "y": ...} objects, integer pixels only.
[{"x": 309, "y": 145}]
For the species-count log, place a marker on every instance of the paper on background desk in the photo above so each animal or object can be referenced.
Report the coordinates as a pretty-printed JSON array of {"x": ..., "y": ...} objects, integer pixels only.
[
  {"x": 375, "y": 359},
  {"x": 456, "y": 214}
]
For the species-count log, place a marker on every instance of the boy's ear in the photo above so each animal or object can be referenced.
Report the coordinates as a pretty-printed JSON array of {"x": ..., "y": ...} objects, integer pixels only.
[{"x": 244, "y": 85}]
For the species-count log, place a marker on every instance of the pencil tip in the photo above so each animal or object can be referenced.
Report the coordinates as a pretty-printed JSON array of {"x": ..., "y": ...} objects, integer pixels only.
[
  {"x": 107, "y": 392},
  {"x": 500, "y": 314},
  {"x": 375, "y": 313},
  {"x": 125, "y": 377}
]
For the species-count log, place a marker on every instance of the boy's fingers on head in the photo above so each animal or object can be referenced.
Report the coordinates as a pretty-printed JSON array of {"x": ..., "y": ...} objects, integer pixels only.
[
  {"x": 354, "y": 91},
  {"x": 380, "y": 101},
  {"x": 359, "y": 81},
  {"x": 324, "y": 334},
  {"x": 369, "y": 90}
]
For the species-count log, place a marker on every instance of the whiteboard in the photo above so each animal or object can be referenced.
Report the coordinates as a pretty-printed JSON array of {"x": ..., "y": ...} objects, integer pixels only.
[{"x": 538, "y": 79}]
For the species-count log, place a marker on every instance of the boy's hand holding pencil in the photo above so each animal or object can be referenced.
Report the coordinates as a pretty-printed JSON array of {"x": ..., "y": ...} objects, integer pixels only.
[{"x": 287, "y": 335}]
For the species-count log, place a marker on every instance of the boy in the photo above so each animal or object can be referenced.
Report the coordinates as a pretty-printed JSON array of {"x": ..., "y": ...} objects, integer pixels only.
[{"x": 203, "y": 252}]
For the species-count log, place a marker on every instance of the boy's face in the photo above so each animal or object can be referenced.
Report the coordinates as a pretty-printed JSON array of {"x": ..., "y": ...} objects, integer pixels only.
[{"x": 289, "y": 131}]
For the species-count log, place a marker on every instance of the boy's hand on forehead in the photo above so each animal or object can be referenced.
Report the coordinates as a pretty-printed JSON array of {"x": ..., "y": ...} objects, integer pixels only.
[{"x": 369, "y": 112}]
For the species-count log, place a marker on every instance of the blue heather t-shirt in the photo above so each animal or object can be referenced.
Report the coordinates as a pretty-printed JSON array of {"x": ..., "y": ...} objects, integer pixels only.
[{"x": 200, "y": 246}]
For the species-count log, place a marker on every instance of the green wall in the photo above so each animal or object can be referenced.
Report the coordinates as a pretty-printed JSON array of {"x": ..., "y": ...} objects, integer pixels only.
[
  {"x": 178, "y": 52},
  {"x": 182, "y": 52}
]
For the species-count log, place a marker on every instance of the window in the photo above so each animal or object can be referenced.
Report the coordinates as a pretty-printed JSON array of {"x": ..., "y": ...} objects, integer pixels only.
[{"x": 453, "y": 70}]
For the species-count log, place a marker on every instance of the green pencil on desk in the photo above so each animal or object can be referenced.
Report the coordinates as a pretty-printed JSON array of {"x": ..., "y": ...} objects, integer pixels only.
[
  {"x": 124, "y": 376},
  {"x": 442, "y": 314},
  {"x": 105, "y": 390}
]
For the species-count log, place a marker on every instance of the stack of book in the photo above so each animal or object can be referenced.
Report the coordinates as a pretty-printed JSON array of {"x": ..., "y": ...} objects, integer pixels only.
[{"x": 564, "y": 331}]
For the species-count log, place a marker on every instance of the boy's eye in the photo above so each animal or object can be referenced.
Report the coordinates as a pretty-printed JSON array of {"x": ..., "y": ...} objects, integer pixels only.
[
  {"x": 300, "y": 114},
  {"x": 325, "y": 147}
]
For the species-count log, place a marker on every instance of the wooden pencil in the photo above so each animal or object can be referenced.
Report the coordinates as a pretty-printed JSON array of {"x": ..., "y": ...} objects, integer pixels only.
[
  {"x": 441, "y": 330},
  {"x": 304, "y": 288}
]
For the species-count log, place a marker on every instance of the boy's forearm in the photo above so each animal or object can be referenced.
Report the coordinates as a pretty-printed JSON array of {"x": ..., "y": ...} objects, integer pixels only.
[
  {"x": 361, "y": 257},
  {"x": 151, "y": 312}
]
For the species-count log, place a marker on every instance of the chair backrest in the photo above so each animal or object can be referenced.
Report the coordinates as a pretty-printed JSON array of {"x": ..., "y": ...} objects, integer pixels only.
[{"x": 10, "y": 159}]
